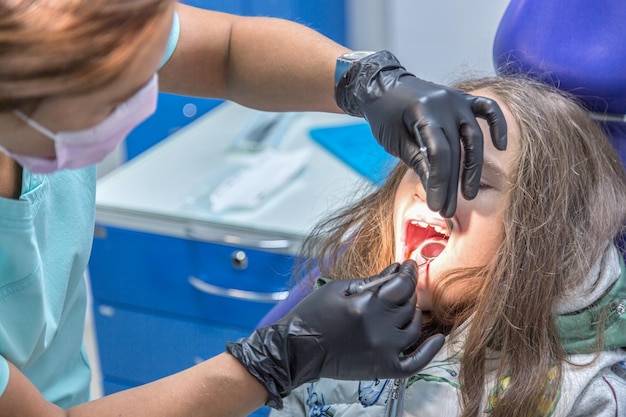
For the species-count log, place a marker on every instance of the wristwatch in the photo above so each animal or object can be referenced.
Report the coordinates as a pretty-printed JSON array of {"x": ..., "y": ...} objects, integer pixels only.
[{"x": 345, "y": 60}]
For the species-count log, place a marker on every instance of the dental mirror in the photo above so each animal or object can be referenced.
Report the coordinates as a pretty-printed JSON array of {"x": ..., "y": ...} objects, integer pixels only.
[{"x": 428, "y": 250}]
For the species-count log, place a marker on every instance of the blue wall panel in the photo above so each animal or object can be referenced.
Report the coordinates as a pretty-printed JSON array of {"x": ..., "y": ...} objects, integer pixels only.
[{"x": 174, "y": 112}]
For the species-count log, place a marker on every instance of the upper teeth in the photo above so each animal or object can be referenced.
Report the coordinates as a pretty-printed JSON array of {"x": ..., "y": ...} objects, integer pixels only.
[
  {"x": 424, "y": 225},
  {"x": 440, "y": 230}
]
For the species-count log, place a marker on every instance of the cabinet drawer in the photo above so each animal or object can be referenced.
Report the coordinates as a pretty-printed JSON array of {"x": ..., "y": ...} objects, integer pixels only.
[
  {"x": 137, "y": 348},
  {"x": 189, "y": 278}
]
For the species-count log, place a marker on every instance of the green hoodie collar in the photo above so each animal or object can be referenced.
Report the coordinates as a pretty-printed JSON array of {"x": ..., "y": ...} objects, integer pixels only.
[{"x": 578, "y": 331}]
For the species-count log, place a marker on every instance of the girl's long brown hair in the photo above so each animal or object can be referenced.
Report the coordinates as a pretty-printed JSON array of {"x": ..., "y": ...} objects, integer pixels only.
[
  {"x": 55, "y": 47},
  {"x": 567, "y": 200}
]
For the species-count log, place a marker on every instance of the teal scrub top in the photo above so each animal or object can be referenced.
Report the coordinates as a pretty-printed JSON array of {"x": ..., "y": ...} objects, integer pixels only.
[{"x": 45, "y": 242}]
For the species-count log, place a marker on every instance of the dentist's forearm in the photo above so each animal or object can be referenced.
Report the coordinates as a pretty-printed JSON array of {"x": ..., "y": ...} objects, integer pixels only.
[
  {"x": 293, "y": 66},
  {"x": 265, "y": 63},
  {"x": 219, "y": 387}
]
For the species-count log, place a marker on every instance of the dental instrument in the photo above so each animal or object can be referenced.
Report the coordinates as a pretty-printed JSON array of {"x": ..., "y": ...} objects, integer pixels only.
[
  {"x": 378, "y": 281},
  {"x": 265, "y": 130},
  {"x": 396, "y": 402},
  {"x": 250, "y": 186}
]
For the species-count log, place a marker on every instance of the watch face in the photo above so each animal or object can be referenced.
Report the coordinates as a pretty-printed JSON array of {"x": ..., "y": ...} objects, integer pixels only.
[
  {"x": 346, "y": 60},
  {"x": 356, "y": 55}
]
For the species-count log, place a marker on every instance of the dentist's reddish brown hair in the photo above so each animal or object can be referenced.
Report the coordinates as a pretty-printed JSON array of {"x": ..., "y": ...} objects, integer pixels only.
[{"x": 58, "y": 47}]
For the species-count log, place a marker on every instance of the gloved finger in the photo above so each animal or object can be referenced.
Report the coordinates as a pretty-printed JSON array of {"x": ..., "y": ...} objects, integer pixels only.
[
  {"x": 489, "y": 110},
  {"x": 439, "y": 158},
  {"x": 391, "y": 269},
  {"x": 416, "y": 156},
  {"x": 454, "y": 138},
  {"x": 401, "y": 288},
  {"x": 410, "y": 332},
  {"x": 412, "y": 363},
  {"x": 355, "y": 285},
  {"x": 408, "y": 319},
  {"x": 472, "y": 139}
]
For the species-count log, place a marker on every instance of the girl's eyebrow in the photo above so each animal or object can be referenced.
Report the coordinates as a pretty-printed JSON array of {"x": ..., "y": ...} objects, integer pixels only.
[{"x": 492, "y": 168}]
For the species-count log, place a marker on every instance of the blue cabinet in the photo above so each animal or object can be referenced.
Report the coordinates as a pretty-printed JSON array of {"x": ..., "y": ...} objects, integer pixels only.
[
  {"x": 186, "y": 278},
  {"x": 163, "y": 304}
]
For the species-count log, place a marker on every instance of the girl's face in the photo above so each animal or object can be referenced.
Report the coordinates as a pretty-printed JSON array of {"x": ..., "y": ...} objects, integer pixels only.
[{"x": 472, "y": 235}]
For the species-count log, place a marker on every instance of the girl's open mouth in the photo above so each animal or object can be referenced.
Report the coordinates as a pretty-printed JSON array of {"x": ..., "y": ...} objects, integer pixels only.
[{"x": 424, "y": 242}]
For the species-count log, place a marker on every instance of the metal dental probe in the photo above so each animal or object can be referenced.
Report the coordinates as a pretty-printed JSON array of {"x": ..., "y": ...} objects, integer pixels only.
[
  {"x": 382, "y": 280},
  {"x": 374, "y": 283}
]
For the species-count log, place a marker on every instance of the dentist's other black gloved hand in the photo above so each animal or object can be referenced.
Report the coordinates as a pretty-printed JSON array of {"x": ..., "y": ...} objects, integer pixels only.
[
  {"x": 406, "y": 113},
  {"x": 340, "y": 333}
]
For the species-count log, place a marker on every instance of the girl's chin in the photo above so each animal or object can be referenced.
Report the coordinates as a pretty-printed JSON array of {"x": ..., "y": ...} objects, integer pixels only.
[{"x": 423, "y": 287}]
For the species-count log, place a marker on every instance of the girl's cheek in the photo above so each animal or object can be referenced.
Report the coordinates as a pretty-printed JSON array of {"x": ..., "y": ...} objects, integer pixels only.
[{"x": 424, "y": 290}]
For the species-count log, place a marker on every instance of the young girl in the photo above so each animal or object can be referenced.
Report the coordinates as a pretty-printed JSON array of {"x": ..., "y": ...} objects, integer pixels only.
[{"x": 525, "y": 279}]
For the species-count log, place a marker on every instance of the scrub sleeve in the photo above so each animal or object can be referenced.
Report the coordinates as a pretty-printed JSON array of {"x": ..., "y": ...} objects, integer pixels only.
[
  {"x": 4, "y": 374},
  {"x": 173, "y": 40}
]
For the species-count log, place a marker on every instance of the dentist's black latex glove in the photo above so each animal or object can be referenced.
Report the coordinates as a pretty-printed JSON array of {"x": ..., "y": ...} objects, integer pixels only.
[
  {"x": 338, "y": 333},
  {"x": 403, "y": 110}
]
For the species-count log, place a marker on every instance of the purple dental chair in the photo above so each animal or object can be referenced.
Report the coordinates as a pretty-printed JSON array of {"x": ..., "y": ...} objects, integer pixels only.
[{"x": 578, "y": 46}]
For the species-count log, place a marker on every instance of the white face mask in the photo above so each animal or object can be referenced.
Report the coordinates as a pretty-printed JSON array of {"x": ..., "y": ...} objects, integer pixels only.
[{"x": 82, "y": 148}]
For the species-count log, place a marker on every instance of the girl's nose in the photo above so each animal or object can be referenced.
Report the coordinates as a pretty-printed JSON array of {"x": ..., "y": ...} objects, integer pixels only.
[{"x": 419, "y": 193}]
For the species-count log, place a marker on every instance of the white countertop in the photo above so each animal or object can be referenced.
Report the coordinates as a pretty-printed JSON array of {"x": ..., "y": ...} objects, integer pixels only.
[{"x": 152, "y": 192}]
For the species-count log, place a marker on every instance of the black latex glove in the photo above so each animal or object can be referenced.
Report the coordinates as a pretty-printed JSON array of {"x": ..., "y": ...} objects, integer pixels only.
[
  {"x": 406, "y": 114},
  {"x": 337, "y": 332}
]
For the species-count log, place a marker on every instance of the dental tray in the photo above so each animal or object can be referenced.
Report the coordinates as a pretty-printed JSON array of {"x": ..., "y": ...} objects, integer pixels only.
[
  {"x": 264, "y": 130},
  {"x": 249, "y": 186}
]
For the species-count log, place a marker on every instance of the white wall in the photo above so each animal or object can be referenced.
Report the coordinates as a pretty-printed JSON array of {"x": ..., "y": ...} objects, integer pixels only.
[{"x": 437, "y": 40}]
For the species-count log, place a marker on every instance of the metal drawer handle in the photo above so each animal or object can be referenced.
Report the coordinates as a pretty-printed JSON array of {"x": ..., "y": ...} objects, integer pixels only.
[
  {"x": 231, "y": 239},
  {"x": 263, "y": 297}
]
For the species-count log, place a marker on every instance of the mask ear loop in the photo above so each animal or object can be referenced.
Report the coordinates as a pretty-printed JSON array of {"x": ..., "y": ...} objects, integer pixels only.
[{"x": 39, "y": 128}]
